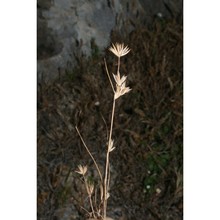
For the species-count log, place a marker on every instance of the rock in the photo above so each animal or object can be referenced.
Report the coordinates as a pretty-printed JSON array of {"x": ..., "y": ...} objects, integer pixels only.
[
  {"x": 66, "y": 29},
  {"x": 44, "y": 4}
]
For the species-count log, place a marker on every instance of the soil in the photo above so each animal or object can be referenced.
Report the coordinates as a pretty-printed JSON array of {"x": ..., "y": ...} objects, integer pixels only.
[{"x": 147, "y": 164}]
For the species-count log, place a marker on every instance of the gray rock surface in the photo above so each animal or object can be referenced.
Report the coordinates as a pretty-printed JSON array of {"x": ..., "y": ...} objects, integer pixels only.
[{"x": 66, "y": 28}]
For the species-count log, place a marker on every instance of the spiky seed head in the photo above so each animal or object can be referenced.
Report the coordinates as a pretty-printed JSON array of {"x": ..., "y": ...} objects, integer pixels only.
[
  {"x": 119, "y": 49},
  {"x": 121, "y": 90},
  {"x": 111, "y": 148},
  {"x": 90, "y": 188},
  {"x": 118, "y": 79},
  {"x": 81, "y": 170}
]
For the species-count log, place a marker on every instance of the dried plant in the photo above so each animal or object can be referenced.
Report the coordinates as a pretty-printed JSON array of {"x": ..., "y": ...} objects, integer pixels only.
[{"x": 98, "y": 211}]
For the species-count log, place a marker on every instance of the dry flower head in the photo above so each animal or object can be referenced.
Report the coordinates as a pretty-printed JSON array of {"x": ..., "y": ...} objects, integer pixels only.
[
  {"x": 81, "y": 170},
  {"x": 119, "y": 50},
  {"x": 121, "y": 90}
]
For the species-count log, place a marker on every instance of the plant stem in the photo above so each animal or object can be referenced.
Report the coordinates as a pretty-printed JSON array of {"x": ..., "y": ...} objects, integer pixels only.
[
  {"x": 118, "y": 66},
  {"x": 106, "y": 179}
]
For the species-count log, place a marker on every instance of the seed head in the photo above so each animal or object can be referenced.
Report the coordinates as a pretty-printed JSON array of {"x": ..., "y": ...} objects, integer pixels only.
[
  {"x": 81, "y": 170},
  {"x": 111, "y": 148},
  {"x": 118, "y": 79},
  {"x": 119, "y": 50},
  {"x": 121, "y": 90},
  {"x": 90, "y": 188}
]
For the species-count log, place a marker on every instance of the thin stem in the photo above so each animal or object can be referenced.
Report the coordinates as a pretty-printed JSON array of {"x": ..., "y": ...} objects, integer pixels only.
[
  {"x": 118, "y": 66},
  {"x": 84, "y": 209},
  {"x": 89, "y": 194},
  {"x": 107, "y": 162},
  {"x": 90, "y": 200},
  {"x": 109, "y": 176},
  {"x": 97, "y": 167},
  {"x": 106, "y": 68}
]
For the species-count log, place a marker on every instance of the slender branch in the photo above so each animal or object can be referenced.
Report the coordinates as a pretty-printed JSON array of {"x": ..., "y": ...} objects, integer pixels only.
[
  {"x": 84, "y": 209},
  {"x": 97, "y": 167},
  {"x": 90, "y": 200},
  {"x": 106, "y": 68}
]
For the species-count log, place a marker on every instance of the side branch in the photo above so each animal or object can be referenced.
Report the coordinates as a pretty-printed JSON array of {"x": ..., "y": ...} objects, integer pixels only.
[
  {"x": 84, "y": 144},
  {"x": 106, "y": 68}
]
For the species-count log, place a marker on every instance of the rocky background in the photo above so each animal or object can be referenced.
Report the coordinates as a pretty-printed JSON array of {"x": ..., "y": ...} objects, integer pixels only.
[
  {"x": 147, "y": 164},
  {"x": 67, "y": 28}
]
